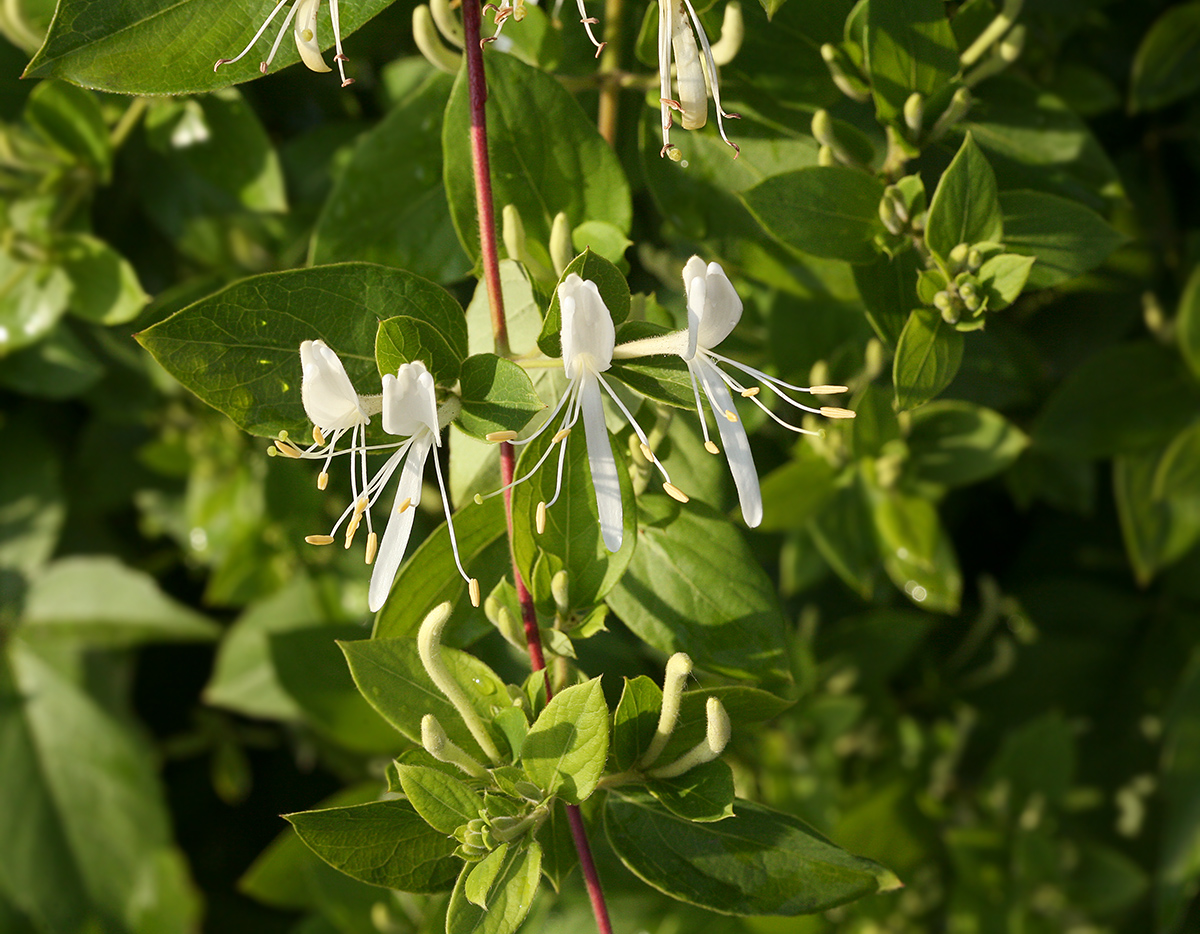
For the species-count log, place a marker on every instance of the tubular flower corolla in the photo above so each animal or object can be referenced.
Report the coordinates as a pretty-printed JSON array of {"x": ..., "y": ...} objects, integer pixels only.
[
  {"x": 588, "y": 337},
  {"x": 695, "y": 76},
  {"x": 304, "y": 12},
  {"x": 714, "y": 309}
]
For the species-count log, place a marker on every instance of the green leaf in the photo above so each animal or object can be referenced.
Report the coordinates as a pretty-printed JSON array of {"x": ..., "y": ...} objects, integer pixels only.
[
  {"x": 1123, "y": 399},
  {"x": 1066, "y": 238},
  {"x": 86, "y": 829},
  {"x": 909, "y": 47},
  {"x": 497, "y": 395},
  {"x": 546, "y": 155},
  {"x": 310, "y": 668},
  {"x": 33, "y": 296},
  {"x": 238, "y": 349},
  {"x": 443, "y": 801},
  {"x": 845, "y": 537},
  {"x": 888, "y": 288},
  {"x": 928, "y": 356},
  {"x": 388, "y": 205},
  {"x": 875, "y": 425},
  {"x": 1157, "y": 532},
  {"x": 1178, "y": 471},
  {"x": 382, "y": 843},
  {"x": 610, "y": 282},
  {"x": 702, "y": 794},
  {"x": 635, "y": 721},
  {"x": 100, "y": 602},
  {"x": 169, "y": 46},
  {"x": 1037, "y": 758},
  {"x": 559, "y": 855},
  {"x": 966, "y": 205},
  {"x": 958, "y": 443},
  {"x": 71, "y": 121},
  {"x": 1164, "y": 69},
  {"x": 422, "y": 579},
  {"x": 829, "y": 211},
  {"x": 243, "y": 677},
  {"x": 1003, "y": 278},
  {"x": 566, "y": 748},
  {"x": 794, "y": 493},
  {"x": 32, "y": 505},
  {"x": 59, "y": 366},
  {"x": 758, "y": 862},
  {"x": 104, "y": 286},
  {"x": 481, "y": 876},
  {"x": 694, "y": 586},
  {"x": 1187, "y": 322},
  {"x": 404, "y": 339},
  {"x": 572, "y": 536},
  {"x": 391, "y": 677},
  {"x": 511, "y": 895}
]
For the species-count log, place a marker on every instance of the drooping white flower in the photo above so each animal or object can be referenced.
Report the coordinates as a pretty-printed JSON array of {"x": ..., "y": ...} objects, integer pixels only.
[
  {"x": 587, "y": 338},
  {"x": 714, "y": 309},
  {"x": 409, "y": 409},
  {"x": 695, "y": 76},
  {"x": 304, "y": 12}
]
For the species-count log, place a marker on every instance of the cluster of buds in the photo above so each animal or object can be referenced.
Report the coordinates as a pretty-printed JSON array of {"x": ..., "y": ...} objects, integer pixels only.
[{"x": 963, "y": 296}]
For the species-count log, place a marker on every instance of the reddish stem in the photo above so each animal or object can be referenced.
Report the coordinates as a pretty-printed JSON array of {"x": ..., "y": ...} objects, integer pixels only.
[{"x": 477, "y": 87}]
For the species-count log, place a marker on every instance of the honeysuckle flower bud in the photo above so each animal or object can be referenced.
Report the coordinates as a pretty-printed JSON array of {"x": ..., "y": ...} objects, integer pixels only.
[
  {"x": 716, "y": 738},
  {"x": 714, "y": 309},
  {"x": 304, "y": 13},
  {"x": 588, "y": 337},
  {"x": 679, "y": 667},
  {"x": 695, "y": 75}
]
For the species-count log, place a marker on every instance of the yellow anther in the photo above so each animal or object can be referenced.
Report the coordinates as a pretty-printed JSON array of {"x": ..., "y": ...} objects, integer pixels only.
[
  {"x": 732, "y": 416},
  {"x": 351, "y": 529},
  {"x": 711, "y": 448},
  {"x": 287, "y": 449},
  {"x": 675, "y": 493},
  {"x": 473, "y": 590},
  {"x": 400, "y": 507},
  {"x": 540, "y": 519},
  {"x": 319, "y": 539},
  {"x": 832, "y": 411},
  {"x": 478, "y": 499},
  {"x": 372, "y": 546},
  {"x": 560, "y": 435},
  {"x": 751, "y": 392},
  {"x": 317, "y": 436},
  {"x": 647, "y": 453},
  {"x": 828, "y": 390},
  {"x": 361, "y": 506},
  {"x": 322, "y": 480},
  {"x": 500, "y": 436}
]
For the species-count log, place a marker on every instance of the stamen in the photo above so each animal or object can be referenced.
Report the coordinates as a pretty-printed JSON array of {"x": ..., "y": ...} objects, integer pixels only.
[
  {"x": 400, "y": 507},
  {"x": 473, "y": 590},
  {"x": 318, "y": 437},
  {"x": 832, "y": 411},
  {"x": 711, "y": 448},
  {"x": 751, "y": 392},
  {"x": 540, "y": 519},
  {"x": 361, "y": 506},
  {"x": 478, "y": 497},
  {"x": 675, "y": 493},
  {"x": 287, "y": 449},
  {"x": 561, "y": 435},
  {"x": 732, "y": 416},
  {"x": 824, "y": 390},
  {"x": 372, "y": 546},
  {"x": 322, "y": 479},
  {"x": 352, "y": 528},
  {"x": 647, "y": 453},
  {"x": 500, "y": 436},
  {"x": 319, "y": 539}
]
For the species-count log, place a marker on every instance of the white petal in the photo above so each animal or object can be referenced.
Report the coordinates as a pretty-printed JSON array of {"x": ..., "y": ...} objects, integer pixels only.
[
  {"x": 399, "y": 527},
  {"x": 689, "y": 75},
  {"x": 326, "y": 391},
  {"x": 722, "y": 308},
  {"x": 734, "y": 440},
  {"x": 306, "y": 35},
  {"x": 588, "y": 335},
  {"x": 409, "y": 401},
  {"x": 602, "y": 463}
]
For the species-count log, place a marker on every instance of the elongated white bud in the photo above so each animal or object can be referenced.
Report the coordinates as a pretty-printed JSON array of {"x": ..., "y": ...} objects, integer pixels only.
[{"x": 679, "y": 667}]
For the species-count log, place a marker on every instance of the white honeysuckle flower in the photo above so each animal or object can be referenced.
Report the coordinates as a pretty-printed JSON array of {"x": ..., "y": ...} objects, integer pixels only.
[
  {"x": 695, "y": 76},
  {"x": 304, "y": 12},
  {"x": 588, "y": 337},
  {"x": 409, "y": 408},
  {"x": 713, "y": 310}
]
